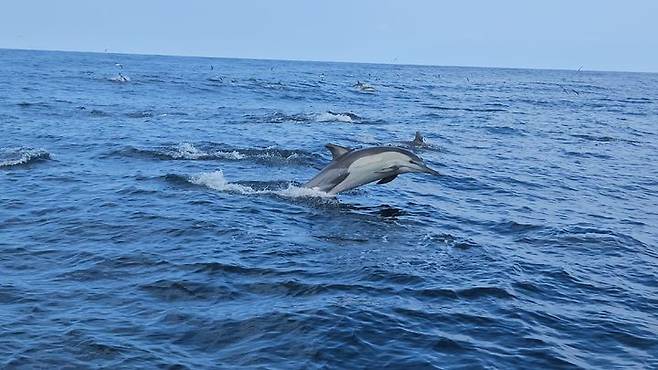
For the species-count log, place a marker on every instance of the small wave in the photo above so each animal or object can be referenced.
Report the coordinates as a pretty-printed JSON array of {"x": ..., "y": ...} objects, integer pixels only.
[
  {"x": 594, "y": 138},
  {"x": 630, "y": 100},
  {"x": 278, "y": 117},
  {"x": 505, "y": 130},
  {"x": 173, "y": 290},
  {"x": 26, "y": 104},
  {"x": 499, "y": 105},
  {"x": 185, "y": 151},
  {"x": 602, "y": 139},
  {"x": 152, "y": 78},
  {"x": 181, "y": 151},
  {"x": 465, "y": 109},
  {"x": 10, "y": 157},
  {"x": 120, "y": 78},
  {"x": 140, "y": 114},
  {"x": 603, "y": 241},
  {"x": 328, "y": 116},
  {"x": 345, "y": 117},
  {"x": 633, "y": 100},
  {"x": 484, "y": 292},
  {"x": 217, "y": 78},
  {"x": 99, "y": 113},
  {"x": 151, "y": 114},
  {"x": 450, "y": 240},
  {"x": 215, "y": 180},
  {"x": 515, "y": 228},
  {"x": 7, "y": 117},
  {"x": 571, "y": 153},
  {"x": 188, "y": 151}
]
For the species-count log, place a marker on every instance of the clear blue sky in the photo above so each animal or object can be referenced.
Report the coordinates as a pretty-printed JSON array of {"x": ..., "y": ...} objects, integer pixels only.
[{"x": 600, "y": 35}]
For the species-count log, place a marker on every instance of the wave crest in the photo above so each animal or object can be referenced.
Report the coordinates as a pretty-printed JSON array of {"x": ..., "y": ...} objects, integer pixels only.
[
  {"x": 344, "y": 117},
  {"x": 11, "y": 157},
  {"x": 328, "y": 116},
  {"x": 188, "y": 151}
]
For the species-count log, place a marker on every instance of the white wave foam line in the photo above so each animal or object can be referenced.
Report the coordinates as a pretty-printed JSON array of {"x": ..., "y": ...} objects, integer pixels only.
[
  {"x": 275, "y": 156},
  {"x": 187, "y": 151},
  {"x": 229, "y": 155},
  {"x": 216, "y": 180},
  {"x": 25, "y": 155},
  {"x": 329, "y": 117},
  {"x": 273, "y": 147},
  {"x": 266, "y": 155}
]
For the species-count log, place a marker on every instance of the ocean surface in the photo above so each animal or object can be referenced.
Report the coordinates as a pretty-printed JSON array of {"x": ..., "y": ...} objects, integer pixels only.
[{"x": 151, "y": 216}]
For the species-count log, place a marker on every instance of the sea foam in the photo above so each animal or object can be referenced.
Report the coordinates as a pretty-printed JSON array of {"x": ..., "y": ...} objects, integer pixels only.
[
  {"x": 10, "y": 157},
  {"x": 215, "y": 180},
  {"x": 334, "y": 117}
]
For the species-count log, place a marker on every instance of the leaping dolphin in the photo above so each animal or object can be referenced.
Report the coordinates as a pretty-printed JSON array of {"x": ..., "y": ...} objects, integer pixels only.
[{"x": 351, "y": 168}]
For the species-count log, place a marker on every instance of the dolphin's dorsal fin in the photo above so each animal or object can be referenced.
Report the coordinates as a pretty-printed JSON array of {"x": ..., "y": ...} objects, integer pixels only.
[
  {"x": 337, "y": 150},
  {"x": 418, "y": 139}
]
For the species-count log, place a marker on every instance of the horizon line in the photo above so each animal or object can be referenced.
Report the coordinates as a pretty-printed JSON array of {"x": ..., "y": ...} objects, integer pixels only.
[{"x": 326, "y": 61}]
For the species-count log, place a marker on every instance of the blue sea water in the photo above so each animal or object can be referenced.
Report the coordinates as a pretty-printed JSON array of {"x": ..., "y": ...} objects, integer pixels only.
[{"x": 157, "y": 220}]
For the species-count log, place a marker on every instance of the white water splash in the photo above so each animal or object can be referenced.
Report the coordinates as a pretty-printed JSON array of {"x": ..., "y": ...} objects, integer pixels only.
[
  {"x": 120, "y": 78},
  {"x": 189, "y": 151},
  {"x": 330, "y": 117},
  {"x": 229, "y": 155},
  {"x": 186, "y": 151},
  {"x": 216, "y": 180},
  {"x": 17, "y": 156}
]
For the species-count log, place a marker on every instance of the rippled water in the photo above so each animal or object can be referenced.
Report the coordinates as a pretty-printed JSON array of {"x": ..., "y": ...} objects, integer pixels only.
[{"x": 159, "y": 222}]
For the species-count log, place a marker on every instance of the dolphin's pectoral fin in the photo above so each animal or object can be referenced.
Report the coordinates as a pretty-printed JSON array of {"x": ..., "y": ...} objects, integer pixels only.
[
  {"x": 337, "y": 150},
  {"x": 387, "y": 179}
]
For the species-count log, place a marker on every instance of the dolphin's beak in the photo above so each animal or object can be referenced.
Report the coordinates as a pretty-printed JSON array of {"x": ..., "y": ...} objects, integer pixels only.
[{"x": 430, "y": 171}]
